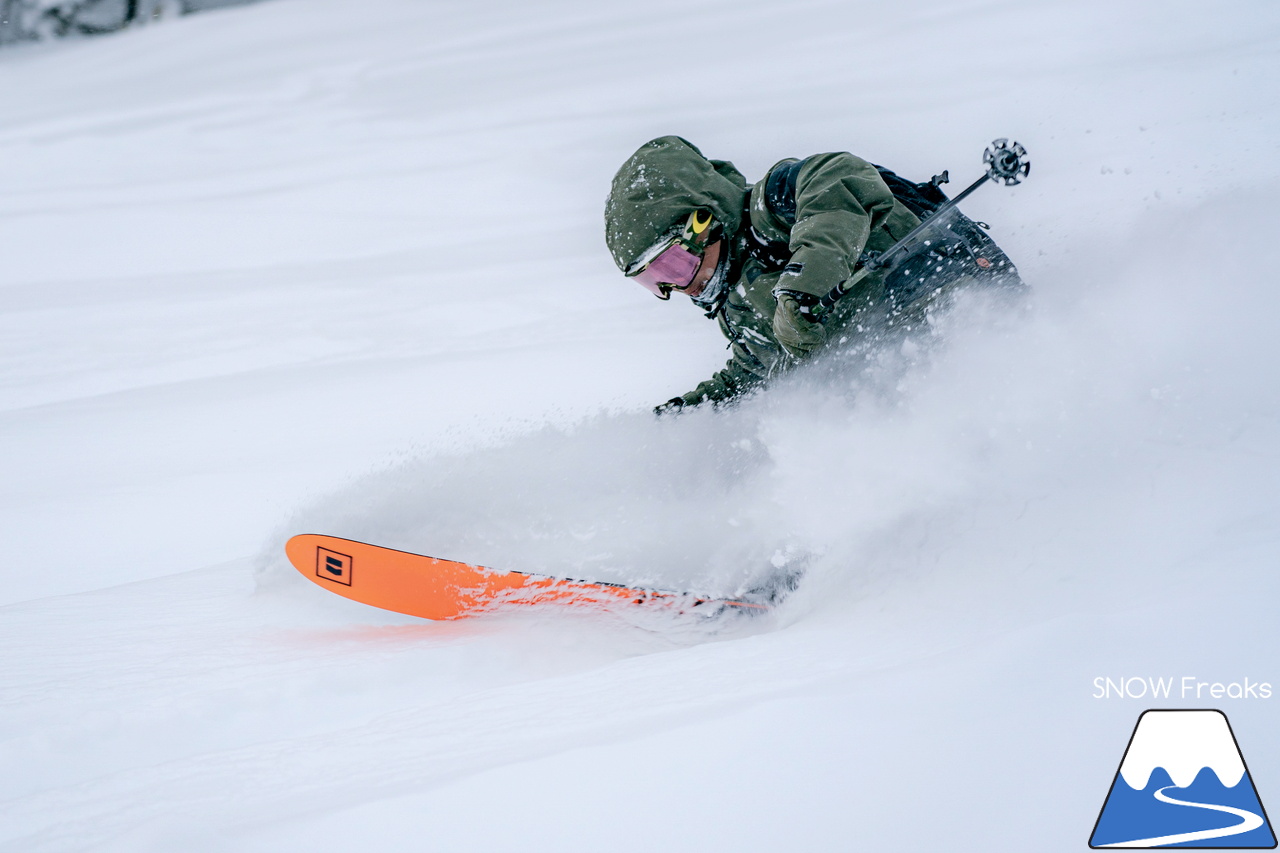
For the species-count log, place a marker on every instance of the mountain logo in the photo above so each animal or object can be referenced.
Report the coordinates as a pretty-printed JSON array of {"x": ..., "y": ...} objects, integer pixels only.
[{"x": 1183, "y": 783}]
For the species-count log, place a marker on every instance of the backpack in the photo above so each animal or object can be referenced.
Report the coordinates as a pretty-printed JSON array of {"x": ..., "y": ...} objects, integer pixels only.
[{"x": 920, "y": 199}]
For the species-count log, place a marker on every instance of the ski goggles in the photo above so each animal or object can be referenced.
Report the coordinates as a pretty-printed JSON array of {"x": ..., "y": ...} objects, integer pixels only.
[{"x": 672, "y": 262}]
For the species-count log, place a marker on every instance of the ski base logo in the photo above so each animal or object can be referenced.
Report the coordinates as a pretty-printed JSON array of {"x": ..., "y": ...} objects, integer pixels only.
[{"x": 1183, "y": 783}]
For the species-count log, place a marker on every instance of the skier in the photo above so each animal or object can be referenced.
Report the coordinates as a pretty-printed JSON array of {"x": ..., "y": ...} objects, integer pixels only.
[{"x": 760, "y": 258}]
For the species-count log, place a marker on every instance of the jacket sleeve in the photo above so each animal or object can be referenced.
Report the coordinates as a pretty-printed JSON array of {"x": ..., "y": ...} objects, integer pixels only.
[
  {"x": 754, "y": 354},
  {"x": 732, "y": 381},
  {"x": 754, "y": 357},
  {"x": 840, "y": 199}
]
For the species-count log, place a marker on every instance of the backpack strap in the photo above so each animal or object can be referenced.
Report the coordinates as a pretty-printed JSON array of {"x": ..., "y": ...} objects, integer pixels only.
[
  {"x": 780, "y": 190},
  {"x": 771, "y": 255}
]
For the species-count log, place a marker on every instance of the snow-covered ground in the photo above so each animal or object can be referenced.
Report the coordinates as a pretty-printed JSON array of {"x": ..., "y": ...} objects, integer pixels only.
[{"x": 321, "y": 266}]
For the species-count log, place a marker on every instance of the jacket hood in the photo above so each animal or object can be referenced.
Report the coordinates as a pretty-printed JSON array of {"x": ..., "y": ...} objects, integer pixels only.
[{"x": 661, "y": 184}]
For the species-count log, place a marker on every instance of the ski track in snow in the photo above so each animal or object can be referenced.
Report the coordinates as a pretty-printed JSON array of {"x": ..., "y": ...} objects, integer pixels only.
[
  {"x": 1248, "y": 822},
  {"x": 263, "y": 276}
]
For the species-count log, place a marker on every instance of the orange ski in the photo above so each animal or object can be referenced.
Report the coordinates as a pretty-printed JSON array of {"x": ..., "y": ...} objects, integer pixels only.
[{"x": 444, "y": 589}]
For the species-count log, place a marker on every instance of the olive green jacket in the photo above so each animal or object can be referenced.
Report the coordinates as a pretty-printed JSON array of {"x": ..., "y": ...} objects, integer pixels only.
[{"x": 801, "y": 228}]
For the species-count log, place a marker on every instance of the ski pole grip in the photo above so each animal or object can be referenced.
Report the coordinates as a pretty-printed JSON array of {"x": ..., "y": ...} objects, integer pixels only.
[{"x": 827, "y": 302}]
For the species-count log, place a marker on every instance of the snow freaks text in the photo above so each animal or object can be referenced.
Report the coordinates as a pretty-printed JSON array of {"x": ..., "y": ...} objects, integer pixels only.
[{"x": 1186, "y": 687}]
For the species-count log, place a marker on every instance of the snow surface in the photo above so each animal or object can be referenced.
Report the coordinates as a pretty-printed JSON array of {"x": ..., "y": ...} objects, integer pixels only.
[{"x": 316, "y": 266}]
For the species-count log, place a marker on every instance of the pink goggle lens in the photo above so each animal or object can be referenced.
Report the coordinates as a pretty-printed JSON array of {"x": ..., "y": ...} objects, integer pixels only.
[{"x": 674, "y": 268}]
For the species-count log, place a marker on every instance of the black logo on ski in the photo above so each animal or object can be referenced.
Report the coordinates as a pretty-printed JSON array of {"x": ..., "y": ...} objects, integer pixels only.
[{"x": 333, "y": 566}]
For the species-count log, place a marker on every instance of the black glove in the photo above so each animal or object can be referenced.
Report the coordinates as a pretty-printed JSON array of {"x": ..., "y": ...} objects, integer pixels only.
[{"x": 671, "y": 407}]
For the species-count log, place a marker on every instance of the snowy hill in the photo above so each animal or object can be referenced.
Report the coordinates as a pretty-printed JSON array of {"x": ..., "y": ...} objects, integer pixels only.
[{"x": 312, "y": 266}]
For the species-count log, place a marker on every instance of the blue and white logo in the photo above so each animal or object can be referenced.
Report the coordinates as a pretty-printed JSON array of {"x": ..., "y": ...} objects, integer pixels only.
[{"x": 1183, "y": 783}]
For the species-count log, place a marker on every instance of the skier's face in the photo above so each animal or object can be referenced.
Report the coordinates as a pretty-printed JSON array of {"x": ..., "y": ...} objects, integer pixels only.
[
  {"x": 682, "y": 260},
  {"x": 710, "y": 257}
]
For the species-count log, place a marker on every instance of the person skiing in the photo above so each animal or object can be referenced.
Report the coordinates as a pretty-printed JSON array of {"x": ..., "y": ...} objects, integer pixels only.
[{"x": 759, "y": 258}]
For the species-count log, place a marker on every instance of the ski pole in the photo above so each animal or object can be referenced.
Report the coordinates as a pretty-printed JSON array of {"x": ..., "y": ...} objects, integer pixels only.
[{"x": 1005, "y": 162}]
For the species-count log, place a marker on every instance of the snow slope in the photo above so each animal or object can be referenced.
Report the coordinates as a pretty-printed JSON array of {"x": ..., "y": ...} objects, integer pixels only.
[{"x": 312, "y": 266}]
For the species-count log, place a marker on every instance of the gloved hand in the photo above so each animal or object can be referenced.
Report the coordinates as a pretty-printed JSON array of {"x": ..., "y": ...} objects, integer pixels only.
[
  {"x": 796, "y": 329},
  {"x": 671, "y": 407}
]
